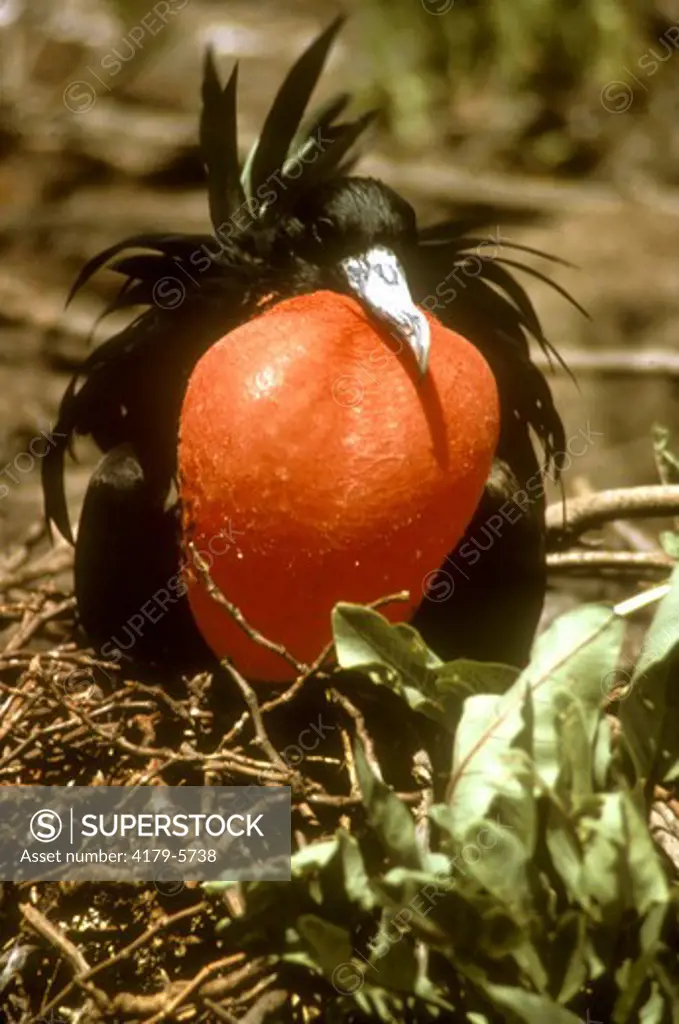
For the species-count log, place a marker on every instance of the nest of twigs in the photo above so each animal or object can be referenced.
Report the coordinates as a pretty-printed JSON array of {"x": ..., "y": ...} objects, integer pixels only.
[
  {"x": 148, "y": 952},
  {"x": 86, "y": 952}
]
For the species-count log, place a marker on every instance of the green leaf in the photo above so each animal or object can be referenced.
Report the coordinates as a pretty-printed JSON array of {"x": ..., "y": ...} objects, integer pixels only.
[
  {"x": 356, "y": 879},
  {"x": 363, "y": 638},
  {"x": 492, "y": 853},
  {"x": 563, "y": 679},
  {"x": 530, "y": 1008},
  {"x": 467, "y": 678},
  {"x": 602, "y": 755},
  {"x": 643, "y": 713},
  {"x": 530, "y": 965},
  {"x": 666, "y": 461},
  {"x": 419, "y": 703},
  {"x": 565, "y": 849},
  {"x": 668, "y": 985},
  {"x": 328, "y": 944},
  {"x": 485, "y": 764},
  {"x": 396, "y": 966},
  {"x": 313, "y": 857},
  {"x": 572, "y": 943},
  {"x": 414, "y": 895},
  {"x": 457, "y": 680},
  {"x": 621, "y": 866},
  {"x": 569, "y": 662},
  {"x": 641, "y": 969},
  {"x": 653, "y": 1010},
  {"x": 669, "y": 541},
  {"x": 388, "y": 815}
]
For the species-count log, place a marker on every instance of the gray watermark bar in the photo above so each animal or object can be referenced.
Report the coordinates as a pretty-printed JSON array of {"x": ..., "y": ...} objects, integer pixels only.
[{"x": 147, "y": 833}]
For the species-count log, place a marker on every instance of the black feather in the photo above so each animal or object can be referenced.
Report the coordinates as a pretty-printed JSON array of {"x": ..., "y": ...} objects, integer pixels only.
[
  {"x": 219, "y": 143},
  {"x": 140, "y": 268},
  {"x": 320, "y": 120},
  {"x": 283, "y": 120},
  {"x": 471, "y": 242},
  {"x": 548, "y": 281},
  {"x": 491, "y": 271},
  {"x": 56, "y": 510},
  {"x": 344, "y": 137},
  {"x": 149, "y": 241},
  {"x": 500, "y": 326}
]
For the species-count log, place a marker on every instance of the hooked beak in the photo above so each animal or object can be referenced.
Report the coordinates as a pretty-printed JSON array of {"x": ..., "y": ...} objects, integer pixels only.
[{"x": 379, "y": 281}]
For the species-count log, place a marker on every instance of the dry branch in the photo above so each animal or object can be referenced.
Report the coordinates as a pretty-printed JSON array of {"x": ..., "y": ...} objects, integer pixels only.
[
  {"x": 594, "y": 510},
  {"x": 620, "y": 561},
  {"x": 614, "y": 362}
]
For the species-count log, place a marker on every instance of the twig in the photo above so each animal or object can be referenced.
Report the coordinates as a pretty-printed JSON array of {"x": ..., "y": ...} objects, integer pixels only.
[
  {"x": 250, "y": 699},
  {"x": 632, "y": 537},
  {"x": 317, "y": 664},
  {"x": 50, "y": 932},
  {"x": 221, "y": 1012},
  {"x": 193, "y": 985},
  {"x": 361, "y": 730},
  {"x": 53, "y": 562},
  {"x": 18, "y": 705},
  {"x": 630, "y": 561},
  {"x": 594, "y": 510},
  {"x": 288, "y": 694},
  {"x": 33, "y": 624},
  {"x": 615, "y": 362},
  {"x": 327, "y": 800},
  {"x": 230, "y": 761},
  {"x": 10, "y": 563},
  {"x": 141, "y": 940},
  {"x": 267, "y": 1003},
  {"x": 175, "y": 706},
  {"x": 299, "y": 682},
  {"x": 638, "y": 601},
  {"x": 234, "y": 731},
  {"x": 126, "y": 1004},
  {"x": 238, "y": 617},
  {"x": 350, "y": 763},
  {"x": 69, "y": 952}
]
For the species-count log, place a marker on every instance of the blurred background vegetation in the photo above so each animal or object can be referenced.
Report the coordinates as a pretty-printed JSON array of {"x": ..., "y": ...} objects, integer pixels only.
[
  {"x": 523, "y": 78},
  {"x": 518, "y": 82}
]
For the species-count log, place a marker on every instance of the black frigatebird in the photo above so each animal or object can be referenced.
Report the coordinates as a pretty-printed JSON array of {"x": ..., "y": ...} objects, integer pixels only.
[{"x": 293, "y": 221}]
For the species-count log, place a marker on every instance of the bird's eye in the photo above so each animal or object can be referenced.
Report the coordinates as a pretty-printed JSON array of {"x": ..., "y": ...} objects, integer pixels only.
[{"x": 323, "y": 230}]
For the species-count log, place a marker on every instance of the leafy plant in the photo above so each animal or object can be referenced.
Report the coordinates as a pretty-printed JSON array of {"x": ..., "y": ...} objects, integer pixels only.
[
  {"x": 531, "y": 890},
  {"x": 530, "y": 74}
]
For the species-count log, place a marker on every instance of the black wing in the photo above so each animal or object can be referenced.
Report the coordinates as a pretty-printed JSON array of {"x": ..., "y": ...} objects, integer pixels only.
[
  {"x": 129, "y": 389},
  {"x": 479, "y": 298},
  {"x": 498, "y": 571}
]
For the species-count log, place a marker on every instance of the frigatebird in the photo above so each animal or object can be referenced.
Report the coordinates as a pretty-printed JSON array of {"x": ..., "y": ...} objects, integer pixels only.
[{"x": 294, "y": 220}]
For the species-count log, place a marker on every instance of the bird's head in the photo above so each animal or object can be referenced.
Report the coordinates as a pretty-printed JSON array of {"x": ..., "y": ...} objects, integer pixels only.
[{"x": 353, "y": 235}]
